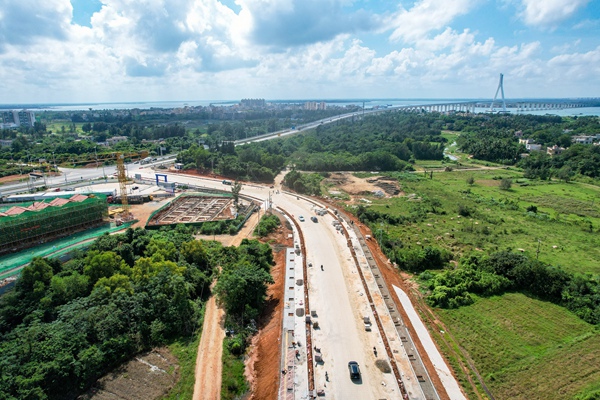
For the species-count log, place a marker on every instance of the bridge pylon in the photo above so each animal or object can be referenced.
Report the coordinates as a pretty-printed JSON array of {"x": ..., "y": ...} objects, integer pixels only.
[{"x": 500, "y": 89}]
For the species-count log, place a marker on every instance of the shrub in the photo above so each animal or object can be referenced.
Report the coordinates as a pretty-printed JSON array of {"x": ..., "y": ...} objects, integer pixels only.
[
  {"x": 505, "y": 184},
  {"x": 464, "y": 211}
]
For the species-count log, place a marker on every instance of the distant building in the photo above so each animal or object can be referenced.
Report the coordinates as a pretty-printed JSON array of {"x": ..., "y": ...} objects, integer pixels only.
[
  {"x": 253, "y": 103},
  {"x": 313, "y": 105},
  {"x": 5, "y": 143},
  {"x": 582, "y": 139},
  {"x": 16, "y": 118},
  {"x": 526, "y": 141},
  {"x": 533, "y": 147},
  {"x": 555, "y": 150},
  {"x": 116, "y": 139},
  {"x": 519, "y": 134}
]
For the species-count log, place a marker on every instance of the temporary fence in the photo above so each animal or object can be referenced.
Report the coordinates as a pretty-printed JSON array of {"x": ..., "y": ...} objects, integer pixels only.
[{"x": 11, "y": 264}]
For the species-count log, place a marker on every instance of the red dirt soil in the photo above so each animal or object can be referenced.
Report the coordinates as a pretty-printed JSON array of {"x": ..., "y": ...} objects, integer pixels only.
[{"x": 263, "y": 362}]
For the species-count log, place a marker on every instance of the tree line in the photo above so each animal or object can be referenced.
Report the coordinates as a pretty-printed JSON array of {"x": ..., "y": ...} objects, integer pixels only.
[
  {"x": 65, "y": 325},
  {"x": 505, "y": 271},
  {"x": 492, "y": 138}
]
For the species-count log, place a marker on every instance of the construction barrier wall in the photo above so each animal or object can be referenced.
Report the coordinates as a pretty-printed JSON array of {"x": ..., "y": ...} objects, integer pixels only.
[
  {"x": 36, "y": 227},
  {"x": 169, "y": 204}
]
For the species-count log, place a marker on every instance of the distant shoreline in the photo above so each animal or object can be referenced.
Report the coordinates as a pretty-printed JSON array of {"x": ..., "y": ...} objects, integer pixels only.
[{"x": 369, "y": 103}]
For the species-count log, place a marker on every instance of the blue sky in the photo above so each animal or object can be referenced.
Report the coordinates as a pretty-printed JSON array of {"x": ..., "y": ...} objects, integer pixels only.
[{"x": 158, "y": 50}]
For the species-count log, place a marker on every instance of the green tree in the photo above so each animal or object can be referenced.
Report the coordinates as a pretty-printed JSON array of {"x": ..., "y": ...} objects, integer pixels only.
[
  {"x": 69, "y": 287},
  {"x": 115, "y": 283},
  {"x": 243, "y": 288},
  {"x": 101, "y": 265},
  {"x": 194, "y": 253},
  {"x": 236, "y": 188},
  {"x": 565, "y": 173}
]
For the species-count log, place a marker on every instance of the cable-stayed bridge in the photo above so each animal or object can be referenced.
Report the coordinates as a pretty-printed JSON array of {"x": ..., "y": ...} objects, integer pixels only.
[{"x": 510, "y": 106}]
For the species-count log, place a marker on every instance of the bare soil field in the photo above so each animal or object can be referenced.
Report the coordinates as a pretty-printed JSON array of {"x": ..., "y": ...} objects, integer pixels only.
[
  {"x": 13, "y": 178},
  {"x": 354, "y": 186},
  {"x": 142, "y": 212},
  {"x": 148, "y": 376}
]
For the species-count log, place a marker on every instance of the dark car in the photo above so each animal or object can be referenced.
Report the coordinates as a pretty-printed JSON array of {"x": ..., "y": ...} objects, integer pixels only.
[
  {"x": 314, "y": 219},
  {"x": 354, "y": 370}
]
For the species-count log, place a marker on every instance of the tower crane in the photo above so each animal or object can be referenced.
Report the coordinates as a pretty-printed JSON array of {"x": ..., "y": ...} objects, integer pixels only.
[{"x": 122, "y": 177}]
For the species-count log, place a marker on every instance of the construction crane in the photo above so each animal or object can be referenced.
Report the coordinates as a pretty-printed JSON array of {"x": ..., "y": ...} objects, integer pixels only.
[{"x": 122, "y": 176}]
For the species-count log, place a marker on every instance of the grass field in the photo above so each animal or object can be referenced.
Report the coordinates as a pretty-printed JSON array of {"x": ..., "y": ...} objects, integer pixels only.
[
  {"x": 528, "y": 349},
  {"x": 499, "y": 219},
  {"x": 234, "y": 383},
  {"x": 523, "y": 348},
  {"x": 186, "y": 351}
]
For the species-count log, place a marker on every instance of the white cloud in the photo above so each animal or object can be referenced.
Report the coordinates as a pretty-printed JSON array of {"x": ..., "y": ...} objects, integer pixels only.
[
  {"x": 426, "y": 16},
  {"x": 23, "y": 23},
  {"x": 549, "y": 13},
  {"x": 280, "y": 24},
  {"x": 580, "y": 67},
  {"x": 201, "y": 49}
]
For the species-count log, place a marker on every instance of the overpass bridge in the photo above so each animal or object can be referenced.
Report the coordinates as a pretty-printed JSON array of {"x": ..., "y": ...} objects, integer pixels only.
[{"x": 471, "y": 107}]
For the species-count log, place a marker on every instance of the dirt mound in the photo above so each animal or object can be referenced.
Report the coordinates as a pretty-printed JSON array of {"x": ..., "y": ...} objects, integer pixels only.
[
  {"x": 148, "y": 376},
  {"x": 360, "y": 186}
]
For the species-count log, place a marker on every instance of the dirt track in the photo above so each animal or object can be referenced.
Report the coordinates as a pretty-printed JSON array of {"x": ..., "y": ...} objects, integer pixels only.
[{"x": 209, "y": 361}]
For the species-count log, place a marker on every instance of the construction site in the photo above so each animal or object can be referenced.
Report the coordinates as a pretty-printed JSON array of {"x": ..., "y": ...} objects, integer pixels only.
[
  {"x": 197, "y": 208},
  {"x": 29, "y": 224}
]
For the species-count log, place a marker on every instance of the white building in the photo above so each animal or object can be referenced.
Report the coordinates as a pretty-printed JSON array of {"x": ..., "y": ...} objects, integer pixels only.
[
  {"x": 533, "y": 147},
  {"x": 313, "y": 105},
  {"x": 116, "y": 139},
  {"x": 582, "y": 139}
]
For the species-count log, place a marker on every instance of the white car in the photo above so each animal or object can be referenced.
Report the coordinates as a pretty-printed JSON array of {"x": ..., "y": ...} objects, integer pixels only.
[{"x": 301, "y": 218}]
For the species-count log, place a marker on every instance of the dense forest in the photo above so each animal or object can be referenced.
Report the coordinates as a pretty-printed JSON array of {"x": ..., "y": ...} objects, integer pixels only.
[
  {"x": 64, "y": 325},
  {"x": 388, "y": 142}
]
